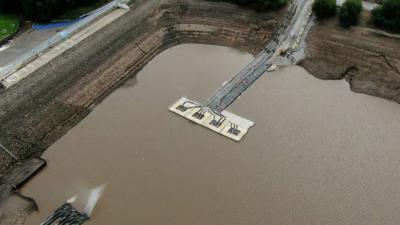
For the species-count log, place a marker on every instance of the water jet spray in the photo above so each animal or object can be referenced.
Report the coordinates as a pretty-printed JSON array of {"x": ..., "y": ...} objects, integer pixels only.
[{"x": 67, "y": 214}]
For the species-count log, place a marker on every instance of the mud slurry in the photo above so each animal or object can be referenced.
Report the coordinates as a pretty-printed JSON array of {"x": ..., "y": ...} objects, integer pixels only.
[{"x": 13, "y": 206}]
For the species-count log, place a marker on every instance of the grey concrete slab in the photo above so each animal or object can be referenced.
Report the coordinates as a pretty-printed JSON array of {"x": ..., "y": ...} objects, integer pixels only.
[{"x": 24, "y": 43}]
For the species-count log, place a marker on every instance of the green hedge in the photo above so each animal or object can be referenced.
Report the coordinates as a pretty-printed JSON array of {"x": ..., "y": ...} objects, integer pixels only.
[
  {"x": 387, "y": 16},
  {"x": 259, "y": 5},
  {"x": 350, "y": 12},
  {"x": 324, "y": 8},
  {"x": 42, "y": 10}
]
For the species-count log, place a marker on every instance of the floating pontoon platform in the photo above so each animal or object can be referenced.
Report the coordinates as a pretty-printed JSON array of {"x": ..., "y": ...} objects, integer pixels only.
[
  {"x": 227, "y": 124},
  {"x": 66, "y": 215}
]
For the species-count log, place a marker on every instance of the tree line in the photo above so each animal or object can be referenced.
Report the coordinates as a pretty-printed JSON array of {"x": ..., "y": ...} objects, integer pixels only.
[
  {"x": 259, "y": 5},
  {"x": 349, "y": 12},
  {"x": 40, "y": 10},
  {"x": 386, "y": 16}
]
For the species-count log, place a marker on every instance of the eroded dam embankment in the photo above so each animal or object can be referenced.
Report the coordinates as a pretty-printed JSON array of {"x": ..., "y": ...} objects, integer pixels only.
[{"x": 369, "y": 60}]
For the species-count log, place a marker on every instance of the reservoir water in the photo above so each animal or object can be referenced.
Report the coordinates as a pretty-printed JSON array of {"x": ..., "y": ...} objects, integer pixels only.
[{"x": 318, "y": 154}]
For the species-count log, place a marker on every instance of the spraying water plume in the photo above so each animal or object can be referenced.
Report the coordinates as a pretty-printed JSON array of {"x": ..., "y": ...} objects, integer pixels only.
[
  {"x": 72, "y": 200},
  {"x": 68, "y": 214},
  {"x": 93, "y": 198}
]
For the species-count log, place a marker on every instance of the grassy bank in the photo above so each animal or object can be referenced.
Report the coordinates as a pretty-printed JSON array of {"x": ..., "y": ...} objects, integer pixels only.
[{"x": 8, "y": 25}]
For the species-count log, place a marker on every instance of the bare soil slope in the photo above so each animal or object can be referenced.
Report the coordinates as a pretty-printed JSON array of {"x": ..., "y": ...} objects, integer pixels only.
[{"x": 369, "y": 61}]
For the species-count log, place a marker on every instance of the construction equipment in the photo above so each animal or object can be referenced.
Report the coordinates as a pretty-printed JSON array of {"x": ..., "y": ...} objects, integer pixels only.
[{"x": 66, "y": 214}]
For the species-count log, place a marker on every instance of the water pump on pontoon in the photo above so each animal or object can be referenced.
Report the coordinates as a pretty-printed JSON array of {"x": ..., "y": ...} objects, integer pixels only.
[{"x": 68, "y": 215}]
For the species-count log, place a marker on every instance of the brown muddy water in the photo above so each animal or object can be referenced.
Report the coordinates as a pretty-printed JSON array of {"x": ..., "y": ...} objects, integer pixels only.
[{"x": 319, "y": 154}]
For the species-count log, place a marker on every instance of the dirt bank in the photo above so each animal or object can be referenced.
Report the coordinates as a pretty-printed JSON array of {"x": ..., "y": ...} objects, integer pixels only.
[
  {"x": 13, "y": 206},
  {"x": 368, "y": 60}
]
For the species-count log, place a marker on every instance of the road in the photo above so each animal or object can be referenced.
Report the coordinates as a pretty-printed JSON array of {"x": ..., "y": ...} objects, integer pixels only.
[
  {"x": 12, "y": 73},
  {"x": 24, "y": 43}
]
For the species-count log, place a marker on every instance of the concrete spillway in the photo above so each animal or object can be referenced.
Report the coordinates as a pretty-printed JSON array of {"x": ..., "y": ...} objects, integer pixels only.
[{"x": 285, "y": 41}]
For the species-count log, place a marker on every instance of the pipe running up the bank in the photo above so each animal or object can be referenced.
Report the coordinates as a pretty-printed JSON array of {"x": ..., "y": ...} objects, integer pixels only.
[{"x": 8, "y": 151}]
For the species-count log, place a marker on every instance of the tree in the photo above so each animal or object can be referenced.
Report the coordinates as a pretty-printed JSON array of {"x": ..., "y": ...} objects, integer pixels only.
[
  {"x": 266, "y": 5},
  {"x": 324, "y": 8},
  {"x": 10, "y": 6},
  {"x": 350, "y": 12},
  {"x": 260, "y": 5},
  {"x": 387, "y": 16},
  {"x": 41, "y": 10}
]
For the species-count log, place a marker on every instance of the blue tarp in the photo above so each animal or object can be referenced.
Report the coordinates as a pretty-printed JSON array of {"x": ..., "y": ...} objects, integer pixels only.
[{"x": 53, "y": 25}]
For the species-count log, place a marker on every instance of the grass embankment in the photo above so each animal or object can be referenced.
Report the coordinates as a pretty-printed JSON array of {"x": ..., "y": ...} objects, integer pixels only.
[
  {"x": 81, "y": 10},
  {"x": 8, "y": 26}
]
